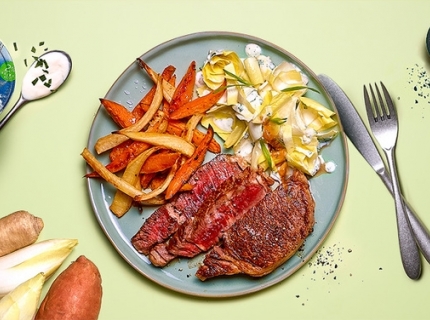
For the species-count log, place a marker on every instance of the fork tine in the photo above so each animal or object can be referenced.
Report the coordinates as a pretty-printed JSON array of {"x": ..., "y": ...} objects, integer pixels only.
[
  {"x": 368, "y": 104},
  {"x": 389, "y": 103},
  {"x": 382, "y": 105}
]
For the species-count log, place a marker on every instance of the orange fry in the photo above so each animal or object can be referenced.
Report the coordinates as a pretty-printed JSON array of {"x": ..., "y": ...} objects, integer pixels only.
[
  {"x": 185, "y": 88},
  {"x": 198, "y": 105},
  {"x": 119, "y": 114},
  {"x": 189, "y": 166},
  {"x": 160, "y": 162}
]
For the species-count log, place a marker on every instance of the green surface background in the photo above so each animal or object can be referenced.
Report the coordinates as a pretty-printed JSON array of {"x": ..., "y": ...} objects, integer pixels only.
[{"x": 357, "y": 274}]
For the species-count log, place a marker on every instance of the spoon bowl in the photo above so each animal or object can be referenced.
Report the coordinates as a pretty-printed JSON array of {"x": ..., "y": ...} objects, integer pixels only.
[{"x": 45, "y": 75}]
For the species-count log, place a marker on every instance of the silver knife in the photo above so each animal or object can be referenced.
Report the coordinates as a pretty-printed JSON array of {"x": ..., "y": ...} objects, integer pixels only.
[{"x": 359, "y": 136}]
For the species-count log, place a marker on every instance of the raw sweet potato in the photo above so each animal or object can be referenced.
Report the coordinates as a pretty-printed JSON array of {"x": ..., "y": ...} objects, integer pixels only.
[
  {"x": 17, "y": 230},
  {"x": 76, "y": 294}
]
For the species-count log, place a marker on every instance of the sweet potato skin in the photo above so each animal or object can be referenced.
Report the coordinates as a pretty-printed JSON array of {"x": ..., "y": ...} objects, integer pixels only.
[{"x": 76, "y": 294}]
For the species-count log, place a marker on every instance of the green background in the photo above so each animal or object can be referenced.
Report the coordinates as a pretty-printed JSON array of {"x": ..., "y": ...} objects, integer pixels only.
[{"x": 357, "y": 274}]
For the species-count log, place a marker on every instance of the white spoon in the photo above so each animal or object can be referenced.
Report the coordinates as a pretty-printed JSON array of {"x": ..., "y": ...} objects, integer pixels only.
[{"x": 44, "y": 77}]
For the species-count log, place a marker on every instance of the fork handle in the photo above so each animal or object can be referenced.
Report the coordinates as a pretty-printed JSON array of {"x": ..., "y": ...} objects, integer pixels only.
[
  {"x": 408, "y": 247},
  {"x": 421, "y": 233}
]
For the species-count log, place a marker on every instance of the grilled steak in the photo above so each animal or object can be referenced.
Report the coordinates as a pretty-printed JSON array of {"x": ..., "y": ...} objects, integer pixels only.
[
  {"x": 267, "y": 235},
  {"x": 235, "y": 197},
  {"x": 166, "y": 220}
]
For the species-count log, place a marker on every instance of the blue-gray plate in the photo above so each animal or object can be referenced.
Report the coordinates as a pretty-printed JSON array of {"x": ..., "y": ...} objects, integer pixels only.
[{"x": 328, "y": 189}]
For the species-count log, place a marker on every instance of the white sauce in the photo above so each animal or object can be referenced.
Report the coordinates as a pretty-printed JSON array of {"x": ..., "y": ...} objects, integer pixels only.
[
  {"x": 42, "y": 78},
  {"x": 253, "y": 50}
]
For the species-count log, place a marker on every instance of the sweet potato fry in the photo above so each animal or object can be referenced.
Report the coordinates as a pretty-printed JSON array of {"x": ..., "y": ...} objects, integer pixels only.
[
  {"x": 198, "y": 105},
  {"x": 119, "y": 114},
  {"x": 112, "y": 140},
  {"x": 145, "y": 180},
  {"x": 189, "y": 166},
  {"x": 144, "y": 104},
  {"x": 155, "y": 192},
  {"x": 160, "y": 161},
  {"x": 177, "y": 127},
  {"x": 185, "y": 88}
]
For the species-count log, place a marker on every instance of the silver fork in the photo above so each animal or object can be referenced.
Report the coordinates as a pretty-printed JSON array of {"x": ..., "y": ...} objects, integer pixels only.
[{"x": 384, "y": 125}]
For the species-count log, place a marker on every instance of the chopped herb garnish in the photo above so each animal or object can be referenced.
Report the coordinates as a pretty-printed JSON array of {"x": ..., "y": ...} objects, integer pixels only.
[
  {"x": 42, "y": 77},
  {"x": 266, "y": 153},
  {"x": 25, "y": 62},
  {"x": 35, "y": 81},
  {"x": 278, "y": 120},
  {"x": 15, "y": 46},
  {"x": 239, "y": 79},
  {"x": 299, "y": 88},
  {"x": 48, "y": 83},
  {"x": 41, "y": 43},
  {"x": 33, "y": 49}
]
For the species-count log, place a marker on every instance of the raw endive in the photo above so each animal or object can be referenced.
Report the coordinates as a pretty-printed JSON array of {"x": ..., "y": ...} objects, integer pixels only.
[
  {"x": 21, "y": 303},
  {"x": 21, "y": 265}
]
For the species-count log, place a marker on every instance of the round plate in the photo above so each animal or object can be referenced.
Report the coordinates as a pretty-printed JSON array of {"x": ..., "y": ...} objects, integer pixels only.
[
  {"x": 7, "y": 76},
  {"x": 328, "y": 189}
]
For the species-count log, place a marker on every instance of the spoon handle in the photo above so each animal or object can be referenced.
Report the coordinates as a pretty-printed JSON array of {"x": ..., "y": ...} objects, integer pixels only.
[{"x": 21, "y": 101}]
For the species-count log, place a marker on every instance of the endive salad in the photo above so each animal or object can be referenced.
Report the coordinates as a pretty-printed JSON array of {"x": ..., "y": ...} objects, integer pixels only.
[{"x": 264, "y": 111}]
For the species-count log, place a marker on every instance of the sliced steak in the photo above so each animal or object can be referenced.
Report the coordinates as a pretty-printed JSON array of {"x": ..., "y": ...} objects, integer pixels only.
[
  {"x": 237, "y": 195},
  {"x": 267, "y": 235},
  {"x": 166, "y": 220}
]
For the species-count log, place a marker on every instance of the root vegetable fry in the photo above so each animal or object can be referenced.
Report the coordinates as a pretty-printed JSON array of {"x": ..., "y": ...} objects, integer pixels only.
[
  {"x": 163, "y": 140},
  {"x": 160, "y": 162},
  {"x": 112, "y": 140},
  {"x": 119, "y": 114},
  {"x": 177, "y": 127},
  {"x": 198, "y": 105},
  {"x": 185, "y": 88},
  {"x": 122, "y": 202},
  {"x": 189, "y": 166},
  {"x": 17, "y": 230},
  {"x": 160, "y": 189},
  {"x": 144, "y": 104},
  {"x": 76, "y": 294},
  {"x": 110, "y": 177}
]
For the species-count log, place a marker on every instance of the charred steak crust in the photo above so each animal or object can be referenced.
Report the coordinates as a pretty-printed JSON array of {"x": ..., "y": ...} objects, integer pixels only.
[
  {"x": 166, "y": 220},
  {"x": 267, "y": 235}
]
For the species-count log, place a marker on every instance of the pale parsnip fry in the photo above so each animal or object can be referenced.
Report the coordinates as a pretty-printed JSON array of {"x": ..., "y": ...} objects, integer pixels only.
[
  {"x": 108, "y": 142},
  {"x": 152, "y": 194},
  {"x": 155, "y": 105},
  {"x": 191, "y": 126},
  {"x": 110, "y": 177},
  {"x": 122, "y": 202},
  {"x": 168, "y": 89},
  {"x": 164, "y": 140},
  {"x": 151, "y": 72},
  {"x": 112, "y": 140}
]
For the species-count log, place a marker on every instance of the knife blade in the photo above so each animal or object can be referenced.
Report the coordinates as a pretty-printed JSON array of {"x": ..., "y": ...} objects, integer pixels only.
[{"x": 358, "y": 134}]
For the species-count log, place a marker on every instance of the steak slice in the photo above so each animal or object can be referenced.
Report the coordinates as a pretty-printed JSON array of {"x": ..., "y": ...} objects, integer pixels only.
[
  {"x": 166, "y": 220},
  {"x": 235, "y": 197},
  {"x": 267, "y": 235}
]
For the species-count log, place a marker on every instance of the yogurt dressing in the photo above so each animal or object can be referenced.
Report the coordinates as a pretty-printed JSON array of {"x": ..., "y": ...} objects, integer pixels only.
[{"x": 45, "y": 75}]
